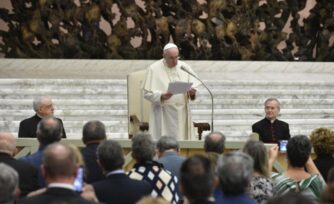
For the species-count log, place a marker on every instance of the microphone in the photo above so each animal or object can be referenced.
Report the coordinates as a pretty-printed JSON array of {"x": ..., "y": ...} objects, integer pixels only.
[{"x": 196, "y": 77}]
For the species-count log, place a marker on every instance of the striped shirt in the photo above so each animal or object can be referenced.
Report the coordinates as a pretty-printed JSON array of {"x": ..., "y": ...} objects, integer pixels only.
[{"x": 311, "y": 187}]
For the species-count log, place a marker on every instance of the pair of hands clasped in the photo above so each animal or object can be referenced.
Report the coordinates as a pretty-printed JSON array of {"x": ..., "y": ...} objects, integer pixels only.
[{"x": 191, "y": 93}]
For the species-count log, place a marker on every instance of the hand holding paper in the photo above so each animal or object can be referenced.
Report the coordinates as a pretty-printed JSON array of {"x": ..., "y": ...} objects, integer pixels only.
[{"x": 179, "y": 87}]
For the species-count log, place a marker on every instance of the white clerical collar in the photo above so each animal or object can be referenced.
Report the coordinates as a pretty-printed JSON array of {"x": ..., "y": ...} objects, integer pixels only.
[
  {"x": 119, "y": 171},
  {"x": 61, "y": 185}
]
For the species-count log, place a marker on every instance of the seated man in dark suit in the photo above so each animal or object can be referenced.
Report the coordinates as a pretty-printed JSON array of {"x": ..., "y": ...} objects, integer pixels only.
[
  {"x": 270, "y": 129},
  {"x": 93, "y": 133},
  {"x": 43, "y": 107},
  {"x": 49, "y": 130},
  {"x": 26, "y": 171},
  {"x": 59, "y": 170},
  {"x": 117, "y": 187},
  {"x": 9, "y": 184}
]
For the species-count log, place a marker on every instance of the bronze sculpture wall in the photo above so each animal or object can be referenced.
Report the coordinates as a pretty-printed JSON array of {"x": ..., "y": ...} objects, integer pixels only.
[{"x": 210, "y": 30}]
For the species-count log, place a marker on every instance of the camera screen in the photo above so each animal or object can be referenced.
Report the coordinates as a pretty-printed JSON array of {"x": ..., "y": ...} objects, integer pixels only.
[
  {"x": 282, "y": 145},
  {"x": 78, "y": 182}
]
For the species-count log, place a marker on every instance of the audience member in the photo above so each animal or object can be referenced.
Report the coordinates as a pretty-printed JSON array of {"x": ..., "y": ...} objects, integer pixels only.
[
  {"x": 330, "y": 176},
  {"x": 93, "y": 133},
  {"x": 26, "y": 171},
  {"x": 44, "y": 108},
  {"x": 295, "y": 178},
  {"x": 327, "y": 195},
  {"x": 197, "y": 180},
  {"x": 270, "y": 129},
  {"x": 79, "y": 161},
  {"x": 117, "y": 187},
  {"x": 261, "y": 186},
  {"x": 214, "y": 145},
  {"x": 9, "y": 184},
  {"x": 291, "y": 198},
  {"x": 168, "y": 152},
  {"x": 60, "y": 180},
  {"x": 49, "y": 130},
  {"x": 170, "y": 114},
  {"x": 235, "y": 171},
  {"x": 322, "y": 140},
  {"x": 164, "y": 183}
]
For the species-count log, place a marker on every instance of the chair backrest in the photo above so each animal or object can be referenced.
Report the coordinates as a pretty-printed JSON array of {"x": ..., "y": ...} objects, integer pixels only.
[{"x": 137, "y": 105}]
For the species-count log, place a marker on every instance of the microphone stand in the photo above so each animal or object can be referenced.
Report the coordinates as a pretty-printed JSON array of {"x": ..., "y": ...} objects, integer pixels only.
[{"x": 193, "y": 75}]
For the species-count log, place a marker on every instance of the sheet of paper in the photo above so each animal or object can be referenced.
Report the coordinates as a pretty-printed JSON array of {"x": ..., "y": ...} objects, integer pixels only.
[{"x": 178, "y": 87}]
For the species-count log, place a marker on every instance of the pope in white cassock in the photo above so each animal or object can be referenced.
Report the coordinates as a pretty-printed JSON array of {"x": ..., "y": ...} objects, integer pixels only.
[{"x": 170, "y": 114}]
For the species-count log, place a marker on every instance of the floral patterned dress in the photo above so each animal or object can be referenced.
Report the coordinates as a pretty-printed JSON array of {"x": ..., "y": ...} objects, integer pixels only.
[{"x": 260, "y": 188}]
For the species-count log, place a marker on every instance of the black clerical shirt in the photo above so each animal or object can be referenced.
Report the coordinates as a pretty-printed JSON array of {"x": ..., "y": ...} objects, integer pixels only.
[{"x": 271, "y": 132}]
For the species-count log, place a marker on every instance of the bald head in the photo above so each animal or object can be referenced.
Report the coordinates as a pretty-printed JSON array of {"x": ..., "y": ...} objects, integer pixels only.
[
  {"x": 214, "y": 142},
  {"x": 7, "y": 143},
  {"x": 49, "y": 130},
  {"x": 56, "y": 157}
]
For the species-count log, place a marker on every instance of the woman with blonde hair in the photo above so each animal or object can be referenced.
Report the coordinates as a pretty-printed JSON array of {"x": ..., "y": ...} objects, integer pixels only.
[{"x": 322, "y": 140}]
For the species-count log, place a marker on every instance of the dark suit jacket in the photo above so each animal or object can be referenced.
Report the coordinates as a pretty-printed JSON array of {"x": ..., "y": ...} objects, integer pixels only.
[
  {"x": 27, "y": 173},
  {"x": 94, "y": 171},
  {"x": 28, "y": 127},
  {"x": 324, "y": 163},
  {"x": 56, "y": 195},
  {"x": 271, "y": 133},
  {"x": 120, "y": 189}
]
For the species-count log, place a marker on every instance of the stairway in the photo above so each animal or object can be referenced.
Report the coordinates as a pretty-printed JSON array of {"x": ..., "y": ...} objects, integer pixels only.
[{"x": 305, "y": 105}]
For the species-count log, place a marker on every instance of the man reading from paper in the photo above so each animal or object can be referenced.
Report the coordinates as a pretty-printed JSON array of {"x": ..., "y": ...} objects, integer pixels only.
[{"x": 170, "y": 113}]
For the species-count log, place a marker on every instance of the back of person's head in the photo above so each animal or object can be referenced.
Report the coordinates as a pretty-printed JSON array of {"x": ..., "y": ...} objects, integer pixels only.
[
  {"x": 143, "y": 148},
  {"x": 298, "y": 150},
  {"x": 59, "y": 161},
  {"x": 49, "y": 130},
  {"x": 9, "y": 181},
  {"x": 167, "y": 143},
  {"x": 7, "y": 143},
  {"x": 258, "y": 152},
  {"x": 197, "y": 178},
  {"x": 214, "y": 142},
  {"x": 327, "y": 195},
  {"x": 322, "y": 140},
  {"x": 110, "y": 155},
  {"x": 235, "y": 170},
  {"x": 290, "y": 198},
  {"x": 330, "y": 175},
  {"x": 152, "y": 200},
  {"x": 77, "y": 153},
  {"x": 93, "y": 131}
]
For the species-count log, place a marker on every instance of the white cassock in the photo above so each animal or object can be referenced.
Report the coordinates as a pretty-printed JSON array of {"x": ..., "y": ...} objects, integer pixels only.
[{"x": 171, "y": 117}]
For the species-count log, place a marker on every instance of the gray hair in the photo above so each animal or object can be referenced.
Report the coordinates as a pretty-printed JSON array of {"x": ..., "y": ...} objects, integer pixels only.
[
  {"x": 110, "y": 155},
  {"x": 9, "y": 181},
  {"x": 235, "y": 171},
  {"x": 143, "y": 148},
  {"x": 93, "y": 130},
  {"x": 212, "y": 145},
  {"x": 38, "y": 102},
  {"x": 166, "y": 143},
  {"x": 273, "y": 99}
]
